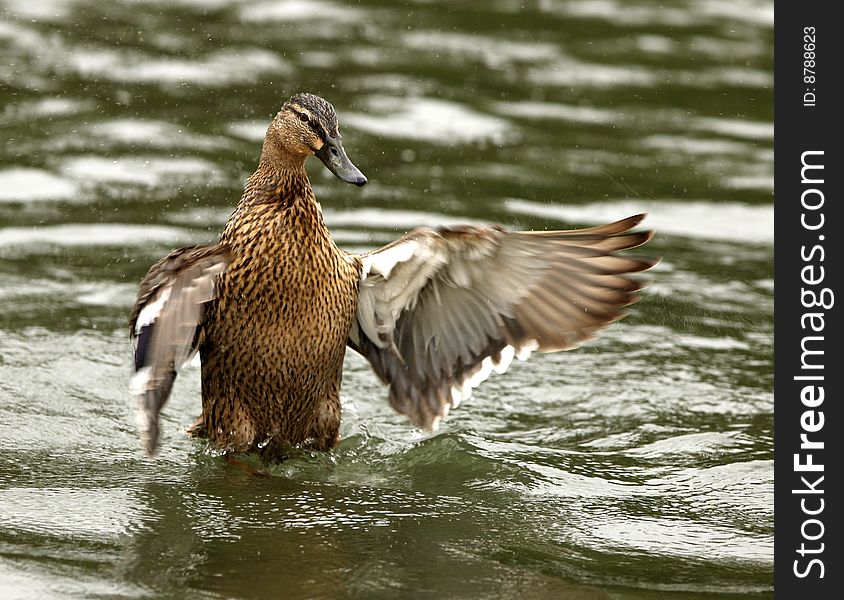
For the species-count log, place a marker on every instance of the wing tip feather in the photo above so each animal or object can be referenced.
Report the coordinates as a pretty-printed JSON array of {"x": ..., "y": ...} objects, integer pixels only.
[{"x": 591, "y": 253}]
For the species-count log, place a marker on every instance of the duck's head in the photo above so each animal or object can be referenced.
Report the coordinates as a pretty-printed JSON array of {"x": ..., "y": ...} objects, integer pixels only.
[{"x": 307, "y": 125}]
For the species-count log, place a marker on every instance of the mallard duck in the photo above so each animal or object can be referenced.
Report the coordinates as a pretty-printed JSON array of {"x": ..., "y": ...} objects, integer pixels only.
[{"x": 273, "y": 306}]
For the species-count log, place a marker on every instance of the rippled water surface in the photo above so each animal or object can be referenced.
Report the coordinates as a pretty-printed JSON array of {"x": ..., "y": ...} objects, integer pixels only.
[{"x": 637, "y": 467}]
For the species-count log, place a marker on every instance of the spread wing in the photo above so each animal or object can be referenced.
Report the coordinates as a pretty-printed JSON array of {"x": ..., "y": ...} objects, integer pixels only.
[
  {"x": 165, "y": 326},
  {"x": 439, "y": 309}
]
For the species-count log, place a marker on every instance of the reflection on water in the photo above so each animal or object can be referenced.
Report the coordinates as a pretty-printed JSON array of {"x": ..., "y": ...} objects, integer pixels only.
[
  {"x": 637, "y": 466},
  {"x": 428, "y": 120},
  {"x": 704, "y": 220}
]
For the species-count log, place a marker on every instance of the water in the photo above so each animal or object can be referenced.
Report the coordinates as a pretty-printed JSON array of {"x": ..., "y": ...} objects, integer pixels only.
[{"x": 637, "y": 467}]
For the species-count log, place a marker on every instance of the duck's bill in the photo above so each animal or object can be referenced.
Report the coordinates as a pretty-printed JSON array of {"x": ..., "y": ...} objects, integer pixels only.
[{"x": 333, "y": 156}]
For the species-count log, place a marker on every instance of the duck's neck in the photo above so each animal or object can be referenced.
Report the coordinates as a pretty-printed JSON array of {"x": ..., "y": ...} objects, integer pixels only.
[
  {"x": 280, "y": 184},
  {"x": 277, "y": 206}
]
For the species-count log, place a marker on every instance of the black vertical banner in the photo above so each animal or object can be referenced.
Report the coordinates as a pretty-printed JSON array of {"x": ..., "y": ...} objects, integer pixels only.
[{"x": 809, "y": 421}]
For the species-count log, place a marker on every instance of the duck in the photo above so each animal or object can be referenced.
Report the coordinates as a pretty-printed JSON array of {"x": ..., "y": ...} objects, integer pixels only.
[{"x": 273, "y": 306}]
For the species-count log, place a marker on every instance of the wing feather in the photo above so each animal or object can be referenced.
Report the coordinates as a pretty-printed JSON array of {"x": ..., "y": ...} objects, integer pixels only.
[
  {"x": 440, "y": 309},
  {"x": 165, "y": 326}
]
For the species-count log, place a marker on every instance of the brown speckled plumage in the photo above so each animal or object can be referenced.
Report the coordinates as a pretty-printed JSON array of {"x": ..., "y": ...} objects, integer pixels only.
[
  {"x": 276, "y": 335},
  {"x": 272, "y": 307}
]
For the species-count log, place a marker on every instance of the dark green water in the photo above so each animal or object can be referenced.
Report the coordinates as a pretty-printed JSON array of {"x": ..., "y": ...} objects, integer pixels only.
[{"x": 638, "y": 467}]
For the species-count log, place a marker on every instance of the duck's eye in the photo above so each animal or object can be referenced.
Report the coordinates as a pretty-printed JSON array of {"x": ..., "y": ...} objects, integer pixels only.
[{"x": 304, "y": 118}]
